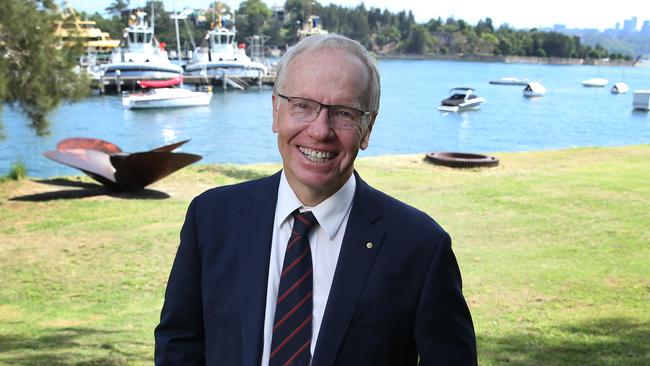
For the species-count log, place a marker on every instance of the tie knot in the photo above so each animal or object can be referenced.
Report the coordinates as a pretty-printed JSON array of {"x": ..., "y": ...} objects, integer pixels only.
[{"x": 303, "y": 222}]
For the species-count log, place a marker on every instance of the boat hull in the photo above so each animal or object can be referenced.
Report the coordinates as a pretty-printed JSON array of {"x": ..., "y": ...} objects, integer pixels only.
[
  {"x": 595, "y": 83},
  {"x": 141, "y": 101},
  {"x": 229, "y": 68},
  {"x": 641, "y": 100},
  {"x": 130, "y": 73}
]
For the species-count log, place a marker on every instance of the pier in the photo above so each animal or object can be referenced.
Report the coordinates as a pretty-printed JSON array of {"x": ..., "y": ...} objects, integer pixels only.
[{"x": 119, "y": 83}]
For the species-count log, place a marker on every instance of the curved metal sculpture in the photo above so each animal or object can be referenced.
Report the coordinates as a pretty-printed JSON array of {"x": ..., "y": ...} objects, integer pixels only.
[{"x": 106, "y": 163}]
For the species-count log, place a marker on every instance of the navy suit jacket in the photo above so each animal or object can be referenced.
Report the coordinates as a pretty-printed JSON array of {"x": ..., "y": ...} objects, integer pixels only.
[{"x": 391, "y": 303}]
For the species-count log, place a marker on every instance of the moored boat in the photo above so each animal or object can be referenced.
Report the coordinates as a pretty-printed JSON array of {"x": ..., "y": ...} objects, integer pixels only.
[
  {"x": 461, "y": 99},
  {"x": 641, "y": 100},
  {"x": 595, "y": 83},
  {"x": 161, "y": 94},
  {"x": 144, "y": 58},
  {"x": 534, "y": 89},
  {"x": 620, "y": 88},
  {"x": 509, "y": 80},
  {"x": 223, "y": 57}
]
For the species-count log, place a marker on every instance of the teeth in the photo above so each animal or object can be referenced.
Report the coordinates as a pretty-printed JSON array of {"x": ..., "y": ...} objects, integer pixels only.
[{"x": 316, "y": 156}]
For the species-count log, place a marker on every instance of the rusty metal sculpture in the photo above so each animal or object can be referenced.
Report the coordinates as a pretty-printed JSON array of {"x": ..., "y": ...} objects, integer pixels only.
[{"x": 108, "y": 164}]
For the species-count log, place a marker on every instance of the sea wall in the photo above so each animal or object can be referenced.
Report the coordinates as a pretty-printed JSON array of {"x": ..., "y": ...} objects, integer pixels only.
[{"x": 511, "y": 59}]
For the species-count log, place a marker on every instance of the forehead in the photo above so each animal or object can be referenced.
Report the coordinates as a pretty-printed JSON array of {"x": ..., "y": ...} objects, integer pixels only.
[{"x": 328, "y": 75}]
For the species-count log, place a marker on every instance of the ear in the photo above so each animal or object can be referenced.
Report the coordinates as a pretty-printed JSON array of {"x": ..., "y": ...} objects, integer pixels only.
[
  {"x": 276, "y": 106},
  {"x": 365, "y": 137}
]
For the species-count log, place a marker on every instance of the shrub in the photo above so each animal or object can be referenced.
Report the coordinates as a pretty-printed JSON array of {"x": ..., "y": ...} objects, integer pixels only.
[{"x": 17, "y": 171}]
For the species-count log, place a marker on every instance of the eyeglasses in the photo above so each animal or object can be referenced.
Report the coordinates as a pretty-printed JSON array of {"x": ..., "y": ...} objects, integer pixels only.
[{"x": 306, "y": 110}]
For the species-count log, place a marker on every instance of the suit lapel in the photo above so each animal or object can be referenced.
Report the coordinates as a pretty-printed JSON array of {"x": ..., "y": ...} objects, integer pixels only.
[
  {"x": 354, "y": 264},
  {"x": 254, "y": 248}
]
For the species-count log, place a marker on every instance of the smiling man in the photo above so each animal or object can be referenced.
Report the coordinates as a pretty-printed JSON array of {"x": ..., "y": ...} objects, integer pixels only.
[{"x": 312, "y": 266}]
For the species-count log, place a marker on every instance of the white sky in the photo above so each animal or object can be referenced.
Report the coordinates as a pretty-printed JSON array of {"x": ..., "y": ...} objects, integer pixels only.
[{"x": 599, "y": 14}]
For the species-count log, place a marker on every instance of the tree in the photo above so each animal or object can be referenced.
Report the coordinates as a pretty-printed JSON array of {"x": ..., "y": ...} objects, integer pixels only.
[
  {"x": 36, "y": 72},
  {"x": 251, "y": 17},
  {"x": 117, "y": 7}
]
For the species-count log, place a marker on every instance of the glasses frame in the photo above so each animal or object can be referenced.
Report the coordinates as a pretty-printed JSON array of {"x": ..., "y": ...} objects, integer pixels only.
[{"x": 329, "y": 108}]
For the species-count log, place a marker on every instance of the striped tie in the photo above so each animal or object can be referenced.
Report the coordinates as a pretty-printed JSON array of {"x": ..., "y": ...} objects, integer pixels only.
[{"x": 293, "y": 313}]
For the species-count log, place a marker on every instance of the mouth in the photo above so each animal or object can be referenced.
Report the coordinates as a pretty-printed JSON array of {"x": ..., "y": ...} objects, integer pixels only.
[{"x": 315, "y": 155}]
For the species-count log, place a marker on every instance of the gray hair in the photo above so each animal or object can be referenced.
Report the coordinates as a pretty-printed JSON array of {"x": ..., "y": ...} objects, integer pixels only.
[{"x": 335, "y": 41}]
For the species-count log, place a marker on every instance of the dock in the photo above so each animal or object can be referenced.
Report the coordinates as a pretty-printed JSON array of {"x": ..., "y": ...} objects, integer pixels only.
[{"x": 117, "y": 84}]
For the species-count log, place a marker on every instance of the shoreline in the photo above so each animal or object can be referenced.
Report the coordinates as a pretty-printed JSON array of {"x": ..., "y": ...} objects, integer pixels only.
[
  {"x": 420, "y": 155},
  {"x": 512, "y": 59}
]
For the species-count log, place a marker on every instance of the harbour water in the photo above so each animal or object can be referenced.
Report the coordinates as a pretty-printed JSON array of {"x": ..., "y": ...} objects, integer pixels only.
[{"x": 236, "y": 126}]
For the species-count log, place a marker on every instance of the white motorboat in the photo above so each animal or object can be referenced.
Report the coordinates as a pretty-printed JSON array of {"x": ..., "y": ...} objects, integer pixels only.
[
  {"x": 161, "y": 94},
  {"x": 223, "y": 56},
  {"x": 534, "y": 89},
  {"x": 143, "y": 57},
  {"x": 620, "y": 88},
  {"x": 461, "y": 99},
  {"x": 595, "y": 83},
  {"x": 509, "y": 80},
  {"x": 642, "y": 100}
]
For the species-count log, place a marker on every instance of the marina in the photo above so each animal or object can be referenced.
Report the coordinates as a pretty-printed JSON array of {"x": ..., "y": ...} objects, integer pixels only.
[{"x": 236, "y": 126}]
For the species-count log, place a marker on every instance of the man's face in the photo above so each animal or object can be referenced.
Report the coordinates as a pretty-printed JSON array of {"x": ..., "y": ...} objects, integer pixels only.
[{"x": 318, "y": 158}]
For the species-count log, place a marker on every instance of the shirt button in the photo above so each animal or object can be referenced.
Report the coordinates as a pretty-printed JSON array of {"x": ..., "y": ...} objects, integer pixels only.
[{"x": 369, "y": 245}]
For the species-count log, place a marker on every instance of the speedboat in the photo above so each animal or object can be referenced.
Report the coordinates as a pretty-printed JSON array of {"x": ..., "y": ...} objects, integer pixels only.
[
  {"x": 162, "y": 94},
  {"x": 461, "y": 99},
  {"x": 223, "y": 57},
  {"x": 142, "y": 59},
  {"x": 620, "y": 88},
  {"x": 509, "y": 80},
  {"x": 595, "y": 82},
  {"x": 534, "y": 89}
]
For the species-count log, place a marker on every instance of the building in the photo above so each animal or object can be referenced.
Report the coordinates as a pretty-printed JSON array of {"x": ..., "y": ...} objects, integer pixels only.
[
  {"x": 645, "y": 29},
  {"x": 629, "y": 25}
]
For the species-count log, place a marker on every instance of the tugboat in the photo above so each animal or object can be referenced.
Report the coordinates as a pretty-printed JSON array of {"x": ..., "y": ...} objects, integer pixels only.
[
  {"x": 461, "y": 99},
  {"x": 143, "y": 59},
  {"x": 223, "y": 58}
]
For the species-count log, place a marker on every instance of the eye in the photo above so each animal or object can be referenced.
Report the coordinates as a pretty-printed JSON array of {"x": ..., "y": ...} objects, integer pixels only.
[
  {"x": 301, "y": 105},
  {"x": 346, "y": 114}
]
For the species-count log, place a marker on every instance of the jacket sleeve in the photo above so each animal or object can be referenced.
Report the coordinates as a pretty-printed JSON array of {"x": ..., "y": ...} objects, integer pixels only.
[
  {"x": 180, "y": 337},
  {"x": 444, "y": 333}
]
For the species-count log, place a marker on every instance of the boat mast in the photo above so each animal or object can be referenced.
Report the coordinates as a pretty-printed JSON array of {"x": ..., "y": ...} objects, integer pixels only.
[{"x": 178, "y": 37}]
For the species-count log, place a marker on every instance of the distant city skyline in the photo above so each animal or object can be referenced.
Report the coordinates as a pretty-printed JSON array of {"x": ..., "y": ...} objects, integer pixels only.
[{"x": 596, "y": 14}]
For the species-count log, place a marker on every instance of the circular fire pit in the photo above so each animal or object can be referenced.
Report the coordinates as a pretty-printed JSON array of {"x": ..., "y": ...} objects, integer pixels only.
[{"x": 461, "y": 160}]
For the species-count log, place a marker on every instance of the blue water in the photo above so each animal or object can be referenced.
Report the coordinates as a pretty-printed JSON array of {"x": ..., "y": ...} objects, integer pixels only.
[{"x": 236, "y": 126}]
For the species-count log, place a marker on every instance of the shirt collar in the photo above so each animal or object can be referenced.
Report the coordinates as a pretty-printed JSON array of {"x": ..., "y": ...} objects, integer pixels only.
[{"x": 329, "y": 213}]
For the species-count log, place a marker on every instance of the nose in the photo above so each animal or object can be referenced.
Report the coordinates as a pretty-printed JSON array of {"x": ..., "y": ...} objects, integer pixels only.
[{"x": 321, "y": 128}]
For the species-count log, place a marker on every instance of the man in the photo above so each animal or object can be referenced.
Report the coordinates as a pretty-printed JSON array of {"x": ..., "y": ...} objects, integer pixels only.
[{"x": 312, "y": 266}]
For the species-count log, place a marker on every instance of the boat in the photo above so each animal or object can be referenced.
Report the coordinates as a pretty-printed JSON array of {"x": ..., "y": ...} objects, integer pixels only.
[
  {"x": 163, "y": 94},
  {"x": 311, "y": 27},
  {"x": 461, "y": 99},
  {"x": 223, "y": 58},
  {"x": 595, "y": 83},
  {"x": 534, "y": 89},
  {"x": 143, "y": 58},
  {"x": 620, "y": 88},
  {"x": 509, "y": 80},
  {"x": 97, "y": 44},
  {"x": 642, "y": 100}
]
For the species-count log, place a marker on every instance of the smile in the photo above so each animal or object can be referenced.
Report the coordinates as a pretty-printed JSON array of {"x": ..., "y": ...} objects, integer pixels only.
[{"x": 316, "y": 156}]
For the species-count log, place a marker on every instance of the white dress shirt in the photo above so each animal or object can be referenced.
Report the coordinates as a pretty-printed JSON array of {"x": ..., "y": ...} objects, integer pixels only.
[{"x": 325, "y": 242}]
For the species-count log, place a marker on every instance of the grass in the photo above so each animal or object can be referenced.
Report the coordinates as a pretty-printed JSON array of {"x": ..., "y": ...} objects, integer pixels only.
[{"x": 554, "y": 249}]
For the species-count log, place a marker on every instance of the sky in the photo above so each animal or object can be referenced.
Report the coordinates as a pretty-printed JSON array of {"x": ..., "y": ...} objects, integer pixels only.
[{"x": 599, "y": 14}]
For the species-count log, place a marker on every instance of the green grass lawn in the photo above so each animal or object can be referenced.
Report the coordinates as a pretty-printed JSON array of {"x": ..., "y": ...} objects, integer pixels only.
[{"x": 554, "y": 248}]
